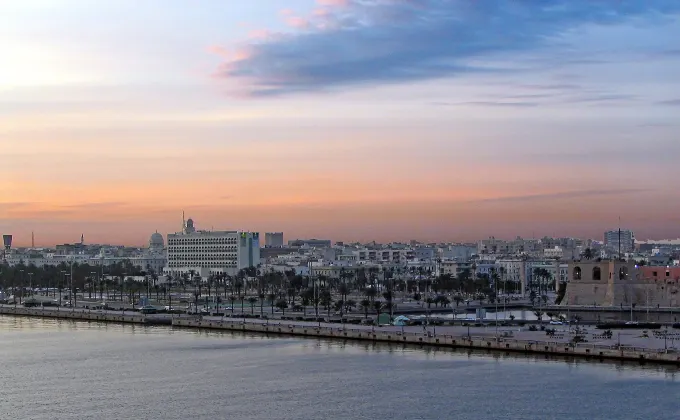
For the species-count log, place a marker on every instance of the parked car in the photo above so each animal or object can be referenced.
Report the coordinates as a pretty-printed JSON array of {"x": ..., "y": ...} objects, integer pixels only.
[{"x": 148, "y": 309}]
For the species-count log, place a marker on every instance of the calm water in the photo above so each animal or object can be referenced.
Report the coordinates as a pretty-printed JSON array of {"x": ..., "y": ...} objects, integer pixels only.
[{"x": 66, "y": 370}]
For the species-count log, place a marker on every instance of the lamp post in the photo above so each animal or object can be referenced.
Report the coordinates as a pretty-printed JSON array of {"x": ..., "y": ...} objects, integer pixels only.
[
  {"x": 122, "y": 283},
  {"x": 93, "y": 276},
  {"x": 30, "y": 282},
  {"x": 73, "y": 297},
  {"x": 63, "y": 274},
  {"x": 70, "y": 297},
  {"x": 21, "y": 285}
]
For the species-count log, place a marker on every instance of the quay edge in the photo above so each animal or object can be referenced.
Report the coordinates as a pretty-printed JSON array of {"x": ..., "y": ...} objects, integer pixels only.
[{"x": 585, "y": 351}]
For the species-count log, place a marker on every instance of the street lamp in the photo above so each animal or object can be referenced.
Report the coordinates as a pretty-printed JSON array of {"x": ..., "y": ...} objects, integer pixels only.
[
  {"x": 30, "y": 282},
  {"x": 63, "y": 273},
  {"x": 70, "y": 296},
  {"x": 93, "y": 276},
  {"x": 21, "y": 285}
]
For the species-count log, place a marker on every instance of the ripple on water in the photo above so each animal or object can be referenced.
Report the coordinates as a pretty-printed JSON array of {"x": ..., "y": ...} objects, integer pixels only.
[{"x": 77, "y": 370}]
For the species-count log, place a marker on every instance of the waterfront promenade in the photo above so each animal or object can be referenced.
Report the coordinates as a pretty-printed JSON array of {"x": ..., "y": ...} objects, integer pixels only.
[{"x": 624, "y": 345}]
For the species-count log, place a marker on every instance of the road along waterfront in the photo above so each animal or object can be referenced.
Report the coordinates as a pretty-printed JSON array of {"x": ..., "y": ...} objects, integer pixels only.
[{"x": 631, "y": 345}]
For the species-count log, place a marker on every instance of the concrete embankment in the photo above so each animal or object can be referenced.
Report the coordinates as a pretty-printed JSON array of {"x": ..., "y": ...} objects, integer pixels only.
[
  {"x": 505, "y": 344},
  {"x": 85, "y": 315},
  {"x": 485, "y": 343}
]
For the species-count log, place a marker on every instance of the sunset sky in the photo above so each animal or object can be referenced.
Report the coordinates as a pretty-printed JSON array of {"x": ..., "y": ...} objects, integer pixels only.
[{"x": 437, "y": 120}]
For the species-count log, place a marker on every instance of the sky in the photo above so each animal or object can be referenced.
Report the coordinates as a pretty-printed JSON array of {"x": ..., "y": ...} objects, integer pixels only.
[{"x": 386, "y": 120}]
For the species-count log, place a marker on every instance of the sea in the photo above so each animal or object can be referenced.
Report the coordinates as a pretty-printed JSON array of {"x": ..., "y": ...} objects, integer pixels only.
[{"x": 59, "y": 369}]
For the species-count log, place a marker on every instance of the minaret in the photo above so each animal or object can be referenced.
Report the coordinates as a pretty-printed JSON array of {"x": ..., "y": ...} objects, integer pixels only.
[
  {"x": 82, "y": 239},
  {"x": 184, "y": 222},
  {"x": 32, "y": 240}
]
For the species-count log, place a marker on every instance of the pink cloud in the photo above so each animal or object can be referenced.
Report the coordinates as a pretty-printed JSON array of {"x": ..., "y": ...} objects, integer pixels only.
[
  {"x": 297, "y": 22},
  {"x": 333, "y": 2},
  {"x": 221, "y": 51},
  {"x": 260, "y": 34}
]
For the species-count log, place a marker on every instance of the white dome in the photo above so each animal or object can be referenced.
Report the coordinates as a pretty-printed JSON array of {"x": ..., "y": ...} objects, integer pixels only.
[{"x": 156, "y": 241}]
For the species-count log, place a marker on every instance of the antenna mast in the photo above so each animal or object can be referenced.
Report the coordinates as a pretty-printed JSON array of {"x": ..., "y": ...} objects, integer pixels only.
[{"x": 619, "y": 238}]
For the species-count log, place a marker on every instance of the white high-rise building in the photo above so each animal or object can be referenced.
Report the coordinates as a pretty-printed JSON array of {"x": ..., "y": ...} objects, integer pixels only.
[{"x": 211, "y": 252}]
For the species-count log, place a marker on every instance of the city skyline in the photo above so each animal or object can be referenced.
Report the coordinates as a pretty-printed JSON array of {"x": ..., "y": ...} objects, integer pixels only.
[
  {"x": 433, "y": 120},
  {"x": 20, "y": 242}
]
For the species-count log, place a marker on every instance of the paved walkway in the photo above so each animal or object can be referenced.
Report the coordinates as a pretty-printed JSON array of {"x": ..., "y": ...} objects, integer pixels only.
[{"x": 629, "y": 338}]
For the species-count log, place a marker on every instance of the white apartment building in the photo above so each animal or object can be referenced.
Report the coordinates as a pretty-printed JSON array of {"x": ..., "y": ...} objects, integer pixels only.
[
  {"x": 455, "y": 268},
  {"x": 514, "y": 270},
  {"x": 211, "y": 252},
  {"x": 555, "y": 252},
  {"x": 384, "y": 255},
  {"x": 457, "y": 252}
]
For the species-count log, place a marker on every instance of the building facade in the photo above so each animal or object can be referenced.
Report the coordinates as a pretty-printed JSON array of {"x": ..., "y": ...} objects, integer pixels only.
[
  {"x": 623, "y": 238},
  {"x": 273, "y": 239},
  {"x": 622, "y": 284},
  {"x": 211, "y": 252}
]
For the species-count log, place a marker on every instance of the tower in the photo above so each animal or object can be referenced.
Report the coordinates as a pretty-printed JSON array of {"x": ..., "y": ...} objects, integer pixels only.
[{"x": 32, "y": 240}]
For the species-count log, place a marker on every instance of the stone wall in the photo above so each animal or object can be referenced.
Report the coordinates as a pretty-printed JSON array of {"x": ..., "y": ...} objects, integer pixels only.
[{"x": 617, "y": 283}]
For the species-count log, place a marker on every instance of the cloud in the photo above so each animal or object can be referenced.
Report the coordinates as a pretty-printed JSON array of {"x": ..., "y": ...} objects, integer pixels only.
[
  {"x": 96, "y": 206},
  {"x": 7, "y": 206},
  {"x": 490, "y": 103},
  {"x": 672, "y": 102},
  {"x": 388, "y": 41},
  {"x": 560, "y": 195}
]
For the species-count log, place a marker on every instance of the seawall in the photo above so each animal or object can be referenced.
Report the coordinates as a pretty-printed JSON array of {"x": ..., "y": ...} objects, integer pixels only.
[
  {"x": 581, "y": 350},
  {"x": 589, "y": 351},
  {"x": 85, "y": 315}
]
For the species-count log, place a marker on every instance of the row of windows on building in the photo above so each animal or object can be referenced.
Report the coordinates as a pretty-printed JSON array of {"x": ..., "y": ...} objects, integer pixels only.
[
  {"x": 202, "y": 241},
  {"x": 206, "y": 264},
  {"x": 201, "y": 257},
  {"x": 179, "y": 248}
]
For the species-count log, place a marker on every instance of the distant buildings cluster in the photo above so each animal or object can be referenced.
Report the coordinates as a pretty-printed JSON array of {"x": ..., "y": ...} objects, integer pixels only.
[{"x": 209, "y": 252}]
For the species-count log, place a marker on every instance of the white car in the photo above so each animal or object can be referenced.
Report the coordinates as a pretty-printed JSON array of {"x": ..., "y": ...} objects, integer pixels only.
[{"x": 556, "y": 323}]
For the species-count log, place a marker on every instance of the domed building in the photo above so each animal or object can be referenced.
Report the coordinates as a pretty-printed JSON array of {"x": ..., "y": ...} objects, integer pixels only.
[{"x": 156, "y": 242}]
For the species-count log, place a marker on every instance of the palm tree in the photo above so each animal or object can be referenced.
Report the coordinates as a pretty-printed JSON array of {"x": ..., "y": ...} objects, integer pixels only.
[
  {"x": 536, "y": 280},
  {"x": 282, "y": 305},
  {"x": 365, "y": 303},
  {"x": 232, "y": 299},
  {"x": 252, "y": 301},
  {"x": 588, "y": 254},
  {"x": 261, "y": 296},
  {"x": 377, "y": 306},
  {"x": 371, "y": 293},
  {"x": 272, "y": 300},
  {"x": 539, "y": 314},
  {"x": 350, "y": 304},
  {"x": 326, "y": 300}
]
